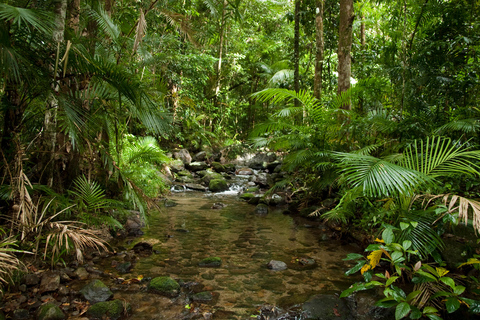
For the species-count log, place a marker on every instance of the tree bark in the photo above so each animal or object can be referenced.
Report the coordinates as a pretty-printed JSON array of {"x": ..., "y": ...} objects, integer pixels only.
[
  {"x": 344, "y": 48},
  {"x": 296, "y": 50},
  {"x": 317, "y": 85}
]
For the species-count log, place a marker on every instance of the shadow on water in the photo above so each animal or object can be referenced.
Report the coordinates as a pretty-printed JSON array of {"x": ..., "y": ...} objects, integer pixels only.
[{"x": 185, "y": 234}]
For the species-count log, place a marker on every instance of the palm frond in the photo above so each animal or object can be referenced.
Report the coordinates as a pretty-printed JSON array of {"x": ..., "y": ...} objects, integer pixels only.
[
  {"x": 467, "y": 126},
  {"x": 378, "y": 177},
  {"x": 28, "y": 18},
  {"x": 105, "y": 23},
  {"x": 140, "y": 31},
  {"x": 438, "y": 156},
  {"x": 281, "y": 76}
]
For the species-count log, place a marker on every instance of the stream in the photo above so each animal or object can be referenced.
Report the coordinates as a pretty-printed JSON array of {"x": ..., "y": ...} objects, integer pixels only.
[{"x": 245, "y": 241}]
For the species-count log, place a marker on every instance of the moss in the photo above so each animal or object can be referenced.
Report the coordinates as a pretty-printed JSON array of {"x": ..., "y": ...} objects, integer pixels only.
[
  {"x": 217, "y": 185},
  {"x": 112, "y": 309},
  {"x": 96, "y": 291},
  {"x": 202, "y": 296},
  {"x": 211, "y": 262},
  {"x": 218, "y": 167},
  {"x": 165, "y": 286},
  {"x": 252, "y": 189},
  {"x": 50, "y": 311},
  {"x": 247, "y": 196}
]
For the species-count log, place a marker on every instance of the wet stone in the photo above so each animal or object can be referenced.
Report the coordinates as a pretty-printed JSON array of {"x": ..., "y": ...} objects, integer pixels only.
[
  {"x": 50, "y": 282},
  {"x": 276, "y": 265},
  {"x": 21, "y": 314},
  {"x": 202, "y": 296},
  {"x": 96, "y": 291},
  {"x": 32, "y": 279},
  {"x": 211, "y": 262}
]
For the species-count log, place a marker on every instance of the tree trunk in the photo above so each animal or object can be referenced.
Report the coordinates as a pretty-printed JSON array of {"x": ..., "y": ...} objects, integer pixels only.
[
  {"x": 344, "y": 48},
  {"x": 317, "y": 85},
  {"x": 74, "y": 15},
  {"x": 50, "y": 120},
  {"x": 296, "y": 51}
]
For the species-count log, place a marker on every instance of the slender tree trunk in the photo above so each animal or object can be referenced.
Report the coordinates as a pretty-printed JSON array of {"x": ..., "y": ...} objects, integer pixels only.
[
  {"x": 362, "y": 32},
  {"x": 50, "y": 120},
  {"x": 296, "y": 51},
  {"x": 345, "y": 47},
  {"x": 74, "y": 15},
  {"x": 220, "y": 48},
  {"x": 317, "y": 85}
]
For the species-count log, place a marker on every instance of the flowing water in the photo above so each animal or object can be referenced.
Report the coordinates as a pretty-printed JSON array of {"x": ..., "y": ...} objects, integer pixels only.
[{"x": 185, "y": 234}]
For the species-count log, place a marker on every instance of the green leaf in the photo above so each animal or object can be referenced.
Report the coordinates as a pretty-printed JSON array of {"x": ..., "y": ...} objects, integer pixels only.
[
  {"x": 396, "y": 255},
  {"x": 402, "y": 310},
  {"x": 404, "y": 225},
  {"x": 426, "y": 275},
  {"x": 406, "y": 244},
  {"x": 416, "y": 314},
  {"x": 413, "y": 294},
  {"x": 452, "y": 304},
  {"x": 441, "y": 294},
  {"x": 433, "y": 316},
  {"x": 386, "y": 302},
  {"x": 459, "y": 290},
  {"x": 391, "y": 280},
  {"x": 448, "y": 281},
  {"x": 429, "y": 309},
  {"x": 388, "y": 236},
  {"x": 355, "y": 269}
]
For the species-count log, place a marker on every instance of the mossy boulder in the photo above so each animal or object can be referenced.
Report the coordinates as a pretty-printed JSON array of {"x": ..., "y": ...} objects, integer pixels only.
[
  {"x": 247, "y": 196},
  {"x": 202, "y": 296},
  {"x": 185, "y": 173},
  {"x": 209, "y": 176},
  {"x": 211, "y": 262},
  {"x": 261, "y": 209},
  {"x": 96, "y": 291},
  {"x": 229, "y": 167},
  {"x": 218, "y": 185},
  {"x": 108, "y": 309},
  {"x": 252, "y": 189},
  {"x": 50, "y": 311},
  {"x": 218, "y": 167},
  {"x": 165, "y": 286}
]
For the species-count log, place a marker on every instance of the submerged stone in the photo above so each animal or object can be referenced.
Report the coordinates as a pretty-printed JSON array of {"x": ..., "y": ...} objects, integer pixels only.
[
  {"x": 211, "y": 262},
  {"x": 96, "y": 291},
  {"x": 108, "y": 309},
  {"x": 276, "y": 265},
  {"x": 202, "y": 296},
  {"x": 261, "y": 208},
  {"x": 164, "y": 286}
]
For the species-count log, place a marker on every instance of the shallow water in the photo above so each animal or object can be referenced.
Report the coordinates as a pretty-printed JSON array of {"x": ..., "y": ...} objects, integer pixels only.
[{"x": 246, "y": 242}]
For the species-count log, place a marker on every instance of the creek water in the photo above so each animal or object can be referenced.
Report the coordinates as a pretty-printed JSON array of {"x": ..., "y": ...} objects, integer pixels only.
[{"x": 192, "y": 230}]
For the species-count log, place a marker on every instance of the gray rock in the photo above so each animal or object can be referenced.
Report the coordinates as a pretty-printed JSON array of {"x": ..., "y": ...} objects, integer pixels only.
[
  {"x": 63, "y": 291},
  {"x": 276, "y": 200},
  {"x": 50, "y": 282},
  {"x": 183, "y": 155},
  {"x": 96, "y": 291},
  {"x": 82, "y": 274},
  {"x": 21, "y": 314},
  {"x": 124, "y": 267},
  {"x": 200, "y": 156},
  {"x": 197, "y": 166},
  {"x": 31, "y": 279},
  {"x": 169, "y": 203},
  {"x": 195, "y": 186},
  {"x": 276, "y": 265},
  {"x": 244, "y": 172},
  {"x": 177, "y": 166},
  {"x": 218, "y": 167},
  {"x": 260, "y": 160}
]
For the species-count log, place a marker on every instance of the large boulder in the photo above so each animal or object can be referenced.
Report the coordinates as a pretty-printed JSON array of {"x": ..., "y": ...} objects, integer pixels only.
[
  {"x": 50, "y": 281},
  {"x": 200, "y": 156},
  {"x": 165, "y": 286},
  {"x": 218, "y": 167},
  {"x": 108, "y": 310},
  {"x": 260, "y": 160},
  {"x": 218, "y": 185},
  {"x": 96, "y": 291},
  {"x": 177, "y": 165},
  {"x": 209, "y": 176},
  {"x": 50, "y": 311},
  {"x": 183, "y": 155}
]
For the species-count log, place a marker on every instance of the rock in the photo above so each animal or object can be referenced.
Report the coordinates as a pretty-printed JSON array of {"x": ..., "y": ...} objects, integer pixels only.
[
  {"x": 31, "y": 279},
  {"x": 177, "y": 166},
  {"x": 185, "y": 173},
  {"x": 50, "y": 311},
  {"x": 244, "y": 172},
  {"x": 96, "y": 291},
  {"x": 218, "y": 205},
  {"x": 195, "y": 186},
  {"x": 252, "y": 189},
  {"x": 273, "y": 165},
  {"x": 124, "y": 267},
  {"x": 50, "y": 282},
  {"x": 21, "y": 314},
  {"x": 367, "y": 310},
  {"x": 247, "y": 196},
  {"x": 211, "y": 262},
  {"x": 209, "y": 176},
  {"x": 218, "y": 167},
  {"x": 185, "y": 179},
  {"x": 229, "y": 167},
  {"x": 109, "y": 310},
  {"x": 276, "y": 265},
  {"x": 218, "y": 185},
  {"x": 143, "y": 248},
  {"x": 255, "y": 200},
  {"x": 183, "y": 155},
  {"x": 261, "y": 208},
  {"x": 202, "y": 296},
  {"x": 260, "y": 160},
  {"x": 276, "y": 200},
  {"x": 178, "y": 188},
  {"x": 164, "y": 286},
  {"x": 169, "y": 203},
  {"x": 197, "y": 166},
  {"x": 63, "y": 291},
  {"x": 134, "y": 224},
  {"x": 261, "y": 179},
  {"x": 81, "y": 273},
  {"x": 327, "y": 307},
  {"x": 200, "y": 156}
]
